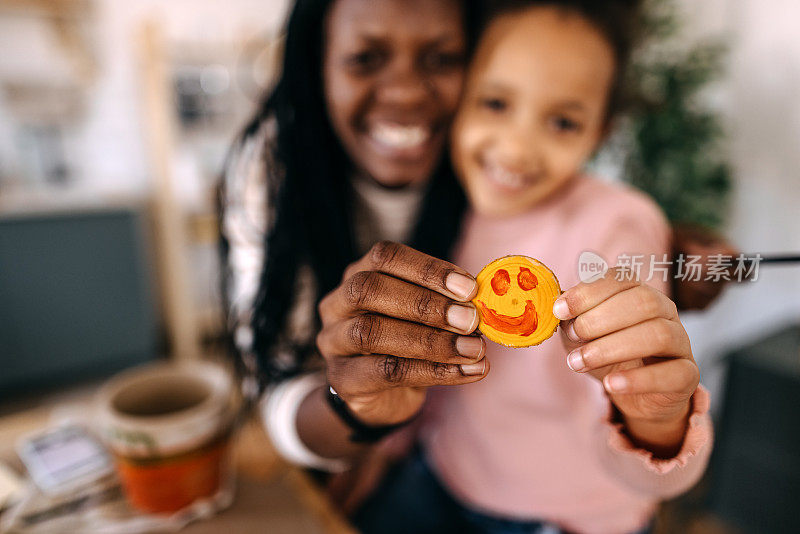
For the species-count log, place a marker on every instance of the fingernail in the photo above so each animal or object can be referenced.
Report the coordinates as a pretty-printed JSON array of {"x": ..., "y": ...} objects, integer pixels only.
[
  {"x": 615, "y": 383},
  {"x": 459, "y": 285},
  {"x": 464, "y": 318},
  {"x": 571, "y": 332},
  {"x": 470, "y": 346},
  {"x": 575, "y": 360},
  {"x": 473, "y": 369},
  {"x": 561, "y": 309}
]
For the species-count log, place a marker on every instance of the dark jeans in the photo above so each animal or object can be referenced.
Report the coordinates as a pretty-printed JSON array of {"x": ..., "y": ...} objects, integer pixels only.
[{"x": 412, "y": 500}]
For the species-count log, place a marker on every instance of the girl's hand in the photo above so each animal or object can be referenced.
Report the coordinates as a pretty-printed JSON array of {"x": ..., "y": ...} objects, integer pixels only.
[
  {"x": 397, "y": 324},
  {"x": 628, "y": 335}
]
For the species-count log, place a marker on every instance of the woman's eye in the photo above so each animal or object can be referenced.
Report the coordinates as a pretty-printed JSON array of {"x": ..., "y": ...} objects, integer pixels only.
[
  {"x": 564, "y": 124},
  {"x": 366, "y": 60},
  {"x": 494, "y": 104}
]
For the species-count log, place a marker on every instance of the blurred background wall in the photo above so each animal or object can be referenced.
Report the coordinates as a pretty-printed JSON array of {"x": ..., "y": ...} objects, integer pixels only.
[
  {"x": 93, "y": 47},
  {"x": 114, "y": 108},
  {"x": 758, "y": 100}
]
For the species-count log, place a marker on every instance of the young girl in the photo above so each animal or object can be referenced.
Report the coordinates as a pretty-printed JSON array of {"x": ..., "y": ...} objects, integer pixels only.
[{"x": 586, "y": 431}]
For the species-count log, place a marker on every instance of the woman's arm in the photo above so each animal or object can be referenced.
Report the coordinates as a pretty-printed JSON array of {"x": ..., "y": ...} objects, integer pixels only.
[
  {"x": 398, "y": 323},
  {"x": 322, "y": 431},
  {"x": 244, "y": 204},
  {"x": 697, "y": 292}
]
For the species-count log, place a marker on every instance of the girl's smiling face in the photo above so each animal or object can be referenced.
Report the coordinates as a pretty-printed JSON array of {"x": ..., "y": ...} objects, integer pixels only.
[{"x": 534, "y": 108}]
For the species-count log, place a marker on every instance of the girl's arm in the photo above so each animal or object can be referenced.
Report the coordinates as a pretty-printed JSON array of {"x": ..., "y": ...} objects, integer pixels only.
[
  {"x": 645, "y": 472},
  {"x": 628, "y": 336}
]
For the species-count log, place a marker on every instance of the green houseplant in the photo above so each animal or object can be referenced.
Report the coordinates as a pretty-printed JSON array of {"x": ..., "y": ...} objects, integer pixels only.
[{"x": 673, "y": 144}]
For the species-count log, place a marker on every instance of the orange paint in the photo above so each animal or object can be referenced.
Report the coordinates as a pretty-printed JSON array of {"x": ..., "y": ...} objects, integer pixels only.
[
  {"x": 521, "y": 325},
  {"x": 501, "y": 282},
  {"x": 526, "y": 279}
]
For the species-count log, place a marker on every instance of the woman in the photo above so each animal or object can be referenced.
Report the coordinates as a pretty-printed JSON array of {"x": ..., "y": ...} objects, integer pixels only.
[
  {"x": 371, "y": 143},
  {"x": 345, "y": 154}
]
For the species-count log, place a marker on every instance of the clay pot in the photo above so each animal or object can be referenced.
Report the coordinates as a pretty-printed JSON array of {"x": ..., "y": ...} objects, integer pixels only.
[{"x": 168, "y": 427}]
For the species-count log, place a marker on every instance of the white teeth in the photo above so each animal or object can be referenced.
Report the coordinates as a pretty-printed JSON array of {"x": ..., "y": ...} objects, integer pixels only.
[
  {"x": 506, "y": 178},
  {"x": 396, "y": 136}
]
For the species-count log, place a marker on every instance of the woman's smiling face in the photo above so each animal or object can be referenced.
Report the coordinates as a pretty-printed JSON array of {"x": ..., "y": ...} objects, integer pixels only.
[{"x": 393, "y": 72}]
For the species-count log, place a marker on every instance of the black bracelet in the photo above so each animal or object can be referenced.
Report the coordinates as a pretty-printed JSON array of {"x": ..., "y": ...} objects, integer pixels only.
[{"x": 362, "y": 433}]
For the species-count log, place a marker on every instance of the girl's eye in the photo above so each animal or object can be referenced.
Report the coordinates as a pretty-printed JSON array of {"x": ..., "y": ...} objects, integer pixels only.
[
  {"x": 366, "y": 61},
  {"x": 494, "y": 104},
  {"x": 564, "y": 124}
]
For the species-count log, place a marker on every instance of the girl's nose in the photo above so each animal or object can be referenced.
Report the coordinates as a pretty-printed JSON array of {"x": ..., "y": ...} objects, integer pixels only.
[{"x": 517, "y": 149}]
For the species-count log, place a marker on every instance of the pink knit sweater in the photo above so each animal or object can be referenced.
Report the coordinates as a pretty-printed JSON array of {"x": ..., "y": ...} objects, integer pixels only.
[{"x": 534, "y": 439}]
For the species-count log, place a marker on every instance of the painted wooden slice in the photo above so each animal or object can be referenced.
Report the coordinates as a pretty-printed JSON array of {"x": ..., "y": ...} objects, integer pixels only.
[{"x": 515, "y": 301}]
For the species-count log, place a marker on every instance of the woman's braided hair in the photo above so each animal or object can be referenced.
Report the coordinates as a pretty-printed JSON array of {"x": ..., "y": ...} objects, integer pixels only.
[{"x": 313, "y": 224}]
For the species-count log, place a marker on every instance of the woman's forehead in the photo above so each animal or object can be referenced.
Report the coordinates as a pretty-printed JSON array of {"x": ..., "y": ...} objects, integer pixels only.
[{"x": 423, "y": 20}]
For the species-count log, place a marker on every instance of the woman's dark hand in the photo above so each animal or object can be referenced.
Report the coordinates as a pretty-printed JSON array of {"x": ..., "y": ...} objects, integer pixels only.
[
  {"x": 398, "y": 323},
  {"x": 699, "y": 293}
]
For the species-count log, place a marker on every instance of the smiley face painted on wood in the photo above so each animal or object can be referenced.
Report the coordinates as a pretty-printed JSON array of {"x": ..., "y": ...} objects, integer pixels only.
[{"x": 515, "y": 301}]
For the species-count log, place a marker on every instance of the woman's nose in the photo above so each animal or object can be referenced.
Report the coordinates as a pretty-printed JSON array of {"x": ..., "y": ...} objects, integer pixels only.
[{"x": 403, "y": 84}]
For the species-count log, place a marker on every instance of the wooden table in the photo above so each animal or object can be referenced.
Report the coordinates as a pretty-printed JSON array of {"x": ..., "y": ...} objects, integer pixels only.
[{"x": 271, "y": 496}]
